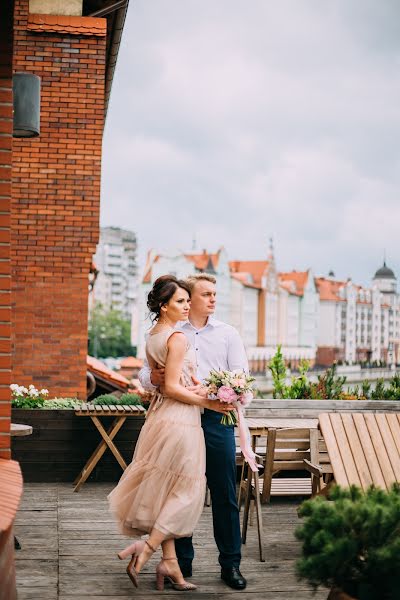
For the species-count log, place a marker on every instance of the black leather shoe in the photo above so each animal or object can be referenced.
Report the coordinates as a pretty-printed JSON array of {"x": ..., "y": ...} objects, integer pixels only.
[{"x": 233, "y": 578}]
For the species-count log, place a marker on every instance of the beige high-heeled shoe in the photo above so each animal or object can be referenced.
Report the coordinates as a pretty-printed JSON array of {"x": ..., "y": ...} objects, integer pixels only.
[
  {"x": 135, "y": 550},
  {"x": 162, "y": 574}
]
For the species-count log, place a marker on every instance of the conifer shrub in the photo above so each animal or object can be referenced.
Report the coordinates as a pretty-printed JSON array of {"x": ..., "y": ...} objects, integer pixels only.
[
  {"x": 127, "y": 399},
  {"x": 352, "y": 541}
]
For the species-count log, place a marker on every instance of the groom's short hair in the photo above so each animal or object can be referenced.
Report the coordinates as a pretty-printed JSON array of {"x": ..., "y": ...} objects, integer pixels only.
[{"x": 193, "y": 279}]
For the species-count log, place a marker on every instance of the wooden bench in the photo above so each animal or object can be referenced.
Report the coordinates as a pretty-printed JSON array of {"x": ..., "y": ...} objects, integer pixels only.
[
  {"x": 96, "y": 412},
  {"x": 363, "y": 448},
  {"x": 19, "y": 430},
  {"x": 11, "y": 491}
]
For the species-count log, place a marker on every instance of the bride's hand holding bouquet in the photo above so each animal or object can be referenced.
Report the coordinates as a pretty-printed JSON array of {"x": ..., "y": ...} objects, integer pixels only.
[{"x": 233, "y": 388}]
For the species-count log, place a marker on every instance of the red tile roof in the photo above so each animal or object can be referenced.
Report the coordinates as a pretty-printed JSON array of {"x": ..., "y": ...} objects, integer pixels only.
[
  {"x": 294, "y": 281},
  {"x": 131, "y": 362},
  {"x": 244, "y": 280},
  {"x": 96, "y": 367},
  {"x": 201, "y": 261},
  {"x": 148, "y": 268},
  {"x": 329, "y": 289},
  {"x": 255, "y": 268},
  {"x": 66, "y": 24}
]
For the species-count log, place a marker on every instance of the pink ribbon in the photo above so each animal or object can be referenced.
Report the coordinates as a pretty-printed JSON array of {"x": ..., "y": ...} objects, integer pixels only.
[
  {"x": 245, "y": 441},
  {"x": 155, "y": 403}
]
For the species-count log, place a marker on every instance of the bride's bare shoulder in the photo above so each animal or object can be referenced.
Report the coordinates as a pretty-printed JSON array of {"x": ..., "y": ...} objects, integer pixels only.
[{"x": 177, "y": 339}]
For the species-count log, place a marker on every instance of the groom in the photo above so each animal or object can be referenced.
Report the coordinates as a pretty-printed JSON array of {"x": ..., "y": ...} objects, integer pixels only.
[{"x": 217, "y": 346}]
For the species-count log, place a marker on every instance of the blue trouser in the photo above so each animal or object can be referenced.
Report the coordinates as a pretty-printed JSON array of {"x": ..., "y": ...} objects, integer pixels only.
[{"x": 221, "y": 479}]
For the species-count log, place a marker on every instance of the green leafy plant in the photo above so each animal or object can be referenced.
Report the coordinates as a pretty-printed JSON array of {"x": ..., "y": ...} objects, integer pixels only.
[
  {"x": 328, "y": 385},
  {"x": 61, "y": 403},
  {"x": 366, "y": 389},
  {"x": 352, "y": 541},
  {"x": 379, "y": 391},
  {"x": 300, "y": 386},
  {"x": 278, "y": 370}
]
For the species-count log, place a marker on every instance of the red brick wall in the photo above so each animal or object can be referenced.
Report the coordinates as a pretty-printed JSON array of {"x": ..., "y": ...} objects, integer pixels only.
[
  {"x": 55, "y": 207},
  {"x": 6, "y": 45}
]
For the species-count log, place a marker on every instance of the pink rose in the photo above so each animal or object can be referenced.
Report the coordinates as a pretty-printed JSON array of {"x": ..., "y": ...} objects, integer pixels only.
[
  {"x": 246, "y": 398},
  {"x": 226, "y": 394},
  {"x": 238, "y": 382}
]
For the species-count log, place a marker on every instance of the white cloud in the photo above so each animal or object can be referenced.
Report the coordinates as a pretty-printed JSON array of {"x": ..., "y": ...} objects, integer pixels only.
[{"x": 239, "y": 120}]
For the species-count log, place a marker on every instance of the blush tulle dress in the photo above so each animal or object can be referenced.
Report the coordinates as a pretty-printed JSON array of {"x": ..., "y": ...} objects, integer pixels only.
[{"x": 164, "y": 486}]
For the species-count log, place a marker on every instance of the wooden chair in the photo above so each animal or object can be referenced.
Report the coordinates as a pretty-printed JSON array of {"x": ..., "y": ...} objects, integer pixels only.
[
  {"x": 285, "y": 450},
  {"x": 321, "y": 472},
  {"x": 363, "y": 448}
]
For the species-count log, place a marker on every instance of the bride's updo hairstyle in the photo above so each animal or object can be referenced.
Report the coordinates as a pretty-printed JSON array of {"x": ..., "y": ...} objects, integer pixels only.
[{"x": 161, "y": 293}]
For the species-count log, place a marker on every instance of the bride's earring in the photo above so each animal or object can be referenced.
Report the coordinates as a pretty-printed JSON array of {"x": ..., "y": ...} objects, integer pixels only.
[{"x": 163, "y": 320}]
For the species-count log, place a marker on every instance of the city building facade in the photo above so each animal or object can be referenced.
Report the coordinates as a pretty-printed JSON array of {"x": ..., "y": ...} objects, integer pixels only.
[
  {"x": 359, "y": 324},
  {"x": 318, "y": 319},
  {"x": 116, "y": 261},
  {"x": 267, "y": 308}
]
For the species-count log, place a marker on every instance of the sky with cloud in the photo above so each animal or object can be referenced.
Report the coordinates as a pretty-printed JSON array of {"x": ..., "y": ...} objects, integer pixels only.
[{"x": 236, "y": 120}]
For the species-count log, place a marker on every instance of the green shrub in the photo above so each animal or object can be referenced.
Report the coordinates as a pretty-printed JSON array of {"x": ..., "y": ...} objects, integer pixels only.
[
  {"x": 26, "y": 402},
  {"x": 328, "y": 385},
  {"x": 131, "y": 399},
  {"x": 352, "y": 541},
  {"x": 124, "y": 400}
]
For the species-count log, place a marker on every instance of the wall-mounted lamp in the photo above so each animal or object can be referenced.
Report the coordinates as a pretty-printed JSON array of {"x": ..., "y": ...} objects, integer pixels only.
[{"x": 26, "y": 99}]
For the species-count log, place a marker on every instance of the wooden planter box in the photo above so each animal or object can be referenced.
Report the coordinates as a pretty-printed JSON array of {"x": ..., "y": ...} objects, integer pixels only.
[{"x": 61, "y": 444}]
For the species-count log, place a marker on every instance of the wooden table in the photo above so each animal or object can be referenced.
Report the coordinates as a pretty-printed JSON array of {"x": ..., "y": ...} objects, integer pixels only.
[
  {"x": 96, "y": 412},
  {"x": 19, "y": 430},
  {"x": 260, "y": 424},
  {"x": 364, "y": 448}
]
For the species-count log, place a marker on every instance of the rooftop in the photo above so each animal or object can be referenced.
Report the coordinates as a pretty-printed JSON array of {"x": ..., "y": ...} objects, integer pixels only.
[
  {"x": 69, "y": 544},
  {"x": 384, "y": 273}
]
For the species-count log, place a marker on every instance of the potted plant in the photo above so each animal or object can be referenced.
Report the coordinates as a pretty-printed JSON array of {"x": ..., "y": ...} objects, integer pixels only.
[{"x": 351, "y": 543}]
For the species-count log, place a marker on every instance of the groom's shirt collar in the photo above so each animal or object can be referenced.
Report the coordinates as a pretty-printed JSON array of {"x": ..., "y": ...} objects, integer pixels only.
[{"x": 211, "y": 322}]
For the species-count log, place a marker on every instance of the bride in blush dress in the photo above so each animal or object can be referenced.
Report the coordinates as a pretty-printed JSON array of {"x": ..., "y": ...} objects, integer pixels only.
[{"x": 161, "y": 493}]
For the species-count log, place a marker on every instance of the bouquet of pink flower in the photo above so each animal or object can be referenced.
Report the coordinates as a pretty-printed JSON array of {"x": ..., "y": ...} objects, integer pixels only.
[{"x": 232, "y": 387}]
